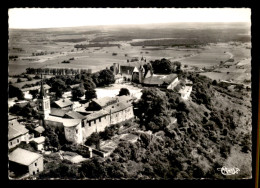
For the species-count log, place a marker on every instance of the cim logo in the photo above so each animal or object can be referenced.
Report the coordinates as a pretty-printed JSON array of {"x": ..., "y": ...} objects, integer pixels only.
[{"x": 228, "y": 170}]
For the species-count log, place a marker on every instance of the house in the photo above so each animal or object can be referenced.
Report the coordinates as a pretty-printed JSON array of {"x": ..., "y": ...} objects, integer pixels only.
[
  {"x": 40, "y": 142},
  {"x": 17, "y": 133},
  {"x": 22, "y": 161}
]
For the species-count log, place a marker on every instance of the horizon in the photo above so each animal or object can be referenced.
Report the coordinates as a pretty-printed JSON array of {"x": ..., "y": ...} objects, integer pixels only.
[
  {"x": 46, "y": 18},
  {"x": 121, "y": 25}
]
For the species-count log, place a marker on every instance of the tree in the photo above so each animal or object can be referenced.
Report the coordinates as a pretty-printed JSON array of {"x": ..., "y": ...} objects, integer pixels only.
[
  {"x": 58, "y": 86},
  {"x": 162, "y": 66},
  {"x": 106, "y": 77},
  {"x": 15, "y": 92},
  {"x": 34, "y": 93},
  {"x": 77, "y": 93},
  {"x": 93, "y": 139},
  {"x": 19, "y": 80},
  {"x": 123, "y": 91},
  {"x": 151, "y": 104},
  {"x": 177, "y": 64}
]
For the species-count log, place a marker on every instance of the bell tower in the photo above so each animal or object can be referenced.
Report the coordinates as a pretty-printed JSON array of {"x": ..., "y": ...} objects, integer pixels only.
[{"x": 44, "y": 108}]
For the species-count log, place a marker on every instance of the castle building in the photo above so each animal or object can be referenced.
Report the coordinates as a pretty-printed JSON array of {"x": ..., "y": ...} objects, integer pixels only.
[{"x": 131, "y": 71}]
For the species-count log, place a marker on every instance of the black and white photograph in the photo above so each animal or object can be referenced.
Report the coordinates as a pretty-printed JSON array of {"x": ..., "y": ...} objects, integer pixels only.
[{"x": 129, "y": 94}]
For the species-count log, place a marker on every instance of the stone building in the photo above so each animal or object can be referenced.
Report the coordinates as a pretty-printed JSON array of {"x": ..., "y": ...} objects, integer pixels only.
[{"x": 22, "y": 161}]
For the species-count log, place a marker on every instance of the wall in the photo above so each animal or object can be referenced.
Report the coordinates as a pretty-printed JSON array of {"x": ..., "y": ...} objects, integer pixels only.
[
  {"x": 74, "y": 134},
  {"x": 122, "y": 115},
  {"x": 33, "y": 168},
  {"x": 98, "y": 126}
]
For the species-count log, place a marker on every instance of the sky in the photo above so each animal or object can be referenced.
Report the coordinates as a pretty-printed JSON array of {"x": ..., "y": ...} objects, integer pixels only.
[{"x": 23, "y": 18}]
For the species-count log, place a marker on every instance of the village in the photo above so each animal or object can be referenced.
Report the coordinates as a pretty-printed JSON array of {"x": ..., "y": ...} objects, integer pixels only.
[{"x": 79, "y": 121}]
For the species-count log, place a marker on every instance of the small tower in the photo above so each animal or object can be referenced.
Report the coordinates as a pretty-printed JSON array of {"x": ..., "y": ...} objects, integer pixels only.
[{"x": 44, "y": 108}]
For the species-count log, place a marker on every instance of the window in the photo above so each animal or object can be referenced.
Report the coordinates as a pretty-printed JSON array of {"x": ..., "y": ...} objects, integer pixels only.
[
  {"x": 35, "y": 164},
  {"x": 89, "y": 123},
  {"x": 83, "y": 124},
  {"x": 100, "y": 119},
  {"x": 76, "y": 131},
  {"x": 11, "y": 143},
  {"x": 17, "y": 140},
  {"x": 37, "y": 169},
  {"x": 33, "y": 172},
  {"x": 94, "y": 121}
]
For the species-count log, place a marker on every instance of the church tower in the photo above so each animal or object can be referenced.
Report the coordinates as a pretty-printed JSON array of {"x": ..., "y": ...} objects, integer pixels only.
[{"x": 44, "y": 108}]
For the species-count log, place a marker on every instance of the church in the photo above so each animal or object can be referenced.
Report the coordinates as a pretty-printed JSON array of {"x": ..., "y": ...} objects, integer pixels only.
[{"x": 79, "y": 123}]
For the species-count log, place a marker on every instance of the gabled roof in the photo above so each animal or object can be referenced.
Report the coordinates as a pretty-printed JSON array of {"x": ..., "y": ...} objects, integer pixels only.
[
  {"x": 58, "y": 112},
  {"x": 96, "y": 115},
  {"x": 23, "y": 156},
  {"x": 71, "y": 122},
  {"x": 16, "y": 129},
  {"x": 63, "y": 103},
  {"x": 157, "y": 79},
  {"x": 75, "y": 115}
]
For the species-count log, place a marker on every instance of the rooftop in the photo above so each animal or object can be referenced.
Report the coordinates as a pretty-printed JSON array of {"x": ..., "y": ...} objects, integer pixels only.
[
  {"x": 11, "y": 117},
  {"x": 63, "y": 103},
  {"x": 104, "y": 101},
  {"x": 157, "y": 79},
  {"x": 58, "y": 112},
  {"x": 126, "y": 98},
  {"x": 23, "y": 156},
  {"x": 39, "y": 140},
  {"x": 75, "y": 115},
  {"x": 96, "y": 114},
  {"x": 117, "y": 107},
  {"x": 39, "y": 129},
  {"x": 74, "y": 86},
  {"x": 71, "y": 122},
  {"x": 16, "y": 129},
  {"x": 54, "y": 118}
]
